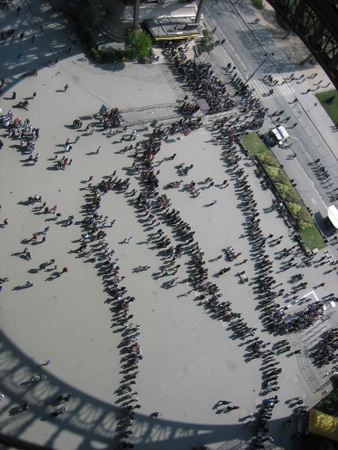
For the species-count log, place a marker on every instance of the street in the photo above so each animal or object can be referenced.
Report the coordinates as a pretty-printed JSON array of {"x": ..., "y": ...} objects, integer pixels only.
[{"x": 251, "y": 46}]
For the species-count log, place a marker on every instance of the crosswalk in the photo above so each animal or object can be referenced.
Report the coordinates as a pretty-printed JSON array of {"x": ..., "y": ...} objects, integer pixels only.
[{"x": 281, "y": 89}]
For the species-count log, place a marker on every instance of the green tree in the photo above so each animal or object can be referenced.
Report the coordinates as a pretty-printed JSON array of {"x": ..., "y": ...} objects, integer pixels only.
[
  {"x": 270, "y": 160},
  {"x": 206, "y": 43},
  {"x": 292, "y": 196},
  {"x": 271, "y": 171},
  {"x": 304, "y": 215},
  {"x": 258, "y": 3},
  {"x": 304, "y": 225},
  {"x": 283, "y": 189},
  {"x": 282, "y": 178},
  {"x": 137, "y": 45},
  {"x": 294, "y": 208}
]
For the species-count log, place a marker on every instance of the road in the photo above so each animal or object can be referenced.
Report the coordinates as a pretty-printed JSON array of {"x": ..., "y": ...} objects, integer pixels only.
[
  {"x": 253, "y": 47},
  {"x": 247, "y": 44}
]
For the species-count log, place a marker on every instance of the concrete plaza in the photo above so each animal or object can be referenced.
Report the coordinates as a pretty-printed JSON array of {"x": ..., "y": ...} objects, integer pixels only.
[{"x": 190, "y": 360}]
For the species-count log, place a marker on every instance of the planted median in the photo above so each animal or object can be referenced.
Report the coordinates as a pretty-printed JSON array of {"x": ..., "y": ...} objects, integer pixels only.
[{"x": 302, "y": 219}]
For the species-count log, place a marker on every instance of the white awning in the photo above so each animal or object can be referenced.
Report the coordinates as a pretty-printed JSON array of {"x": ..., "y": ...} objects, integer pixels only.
[
  {"x": 332, "y": 213},
  {"x": 280, "y": 133}
]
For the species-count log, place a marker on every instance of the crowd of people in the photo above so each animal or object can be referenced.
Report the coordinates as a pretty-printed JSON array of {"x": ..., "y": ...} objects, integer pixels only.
[
  {"x": 159, "y": 214},
  {"x": 321, "y": 172},
  {"x": 199, "y": 77},
  {"x": 325, "y": 350}
]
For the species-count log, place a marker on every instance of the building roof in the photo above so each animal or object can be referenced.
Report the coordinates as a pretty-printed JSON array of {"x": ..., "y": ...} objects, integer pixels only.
[{"x": 169, "y": 28}]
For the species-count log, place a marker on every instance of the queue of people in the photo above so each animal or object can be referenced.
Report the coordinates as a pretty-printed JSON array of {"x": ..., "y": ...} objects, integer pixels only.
[{"x": 158, "y": 212}]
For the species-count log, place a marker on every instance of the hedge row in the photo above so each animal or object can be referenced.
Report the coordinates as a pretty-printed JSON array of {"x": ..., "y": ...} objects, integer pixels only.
[{"x": 286, "y": 190}]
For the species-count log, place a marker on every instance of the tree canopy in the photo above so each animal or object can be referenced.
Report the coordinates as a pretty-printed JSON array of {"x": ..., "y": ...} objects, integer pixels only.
[{"x": 137, "y": 45}]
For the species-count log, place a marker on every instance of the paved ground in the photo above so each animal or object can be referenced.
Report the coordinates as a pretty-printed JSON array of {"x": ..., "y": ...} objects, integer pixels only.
[{"x": 190, "y": 361}]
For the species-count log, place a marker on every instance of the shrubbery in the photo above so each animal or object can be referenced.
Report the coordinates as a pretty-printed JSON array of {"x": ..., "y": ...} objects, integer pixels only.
[
  {"x": 258, "y": 3},
  {"x": 304, "y": 215},
  {"x": 271, "y": 171},
  {"x": 294, "y": 209},
  {"x": 206, "y": 43},
  {"x": 269, "y": 160},
  {"x": 282, "y": 178},
  {"x": 83, "y": 24},
  {"x": 304, "y": 225},
  {"x": 287, "y": 192},
  {"x": 137, "y": 45},
  {"x": 110, "y": 54},
  {"x": 283, "y": 189}
]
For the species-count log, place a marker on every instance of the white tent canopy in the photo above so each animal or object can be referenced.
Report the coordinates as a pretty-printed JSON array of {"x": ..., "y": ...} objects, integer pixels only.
[{"x": 332, "y": 213}]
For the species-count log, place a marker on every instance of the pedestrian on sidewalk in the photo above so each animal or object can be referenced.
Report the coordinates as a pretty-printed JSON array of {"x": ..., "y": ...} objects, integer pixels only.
[
  {"x": 47, "y": 362},
  {"x": 64, "y": 270}
]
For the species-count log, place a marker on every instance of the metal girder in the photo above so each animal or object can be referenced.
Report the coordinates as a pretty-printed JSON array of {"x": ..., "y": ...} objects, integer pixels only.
[{"x": 315, "y": 22}]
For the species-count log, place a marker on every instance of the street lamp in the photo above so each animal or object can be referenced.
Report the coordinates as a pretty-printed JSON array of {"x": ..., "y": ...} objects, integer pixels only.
[
  {"x": 311, "y": 107},
  {"x": 266, "y": 56}
]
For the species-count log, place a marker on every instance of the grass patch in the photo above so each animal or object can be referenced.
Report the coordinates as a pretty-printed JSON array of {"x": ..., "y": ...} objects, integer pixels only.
[
  {"x": 312, "y": 238},
  {"x": 258, "y": 3},
  {"x": 307, "y": 228},
  {"x": 329, "y": 100},
  {"x": 254, "y": 144}
]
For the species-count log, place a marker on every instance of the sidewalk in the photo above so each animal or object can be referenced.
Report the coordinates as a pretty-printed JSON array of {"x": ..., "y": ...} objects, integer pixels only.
[{"x": 315, "y": 116}]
